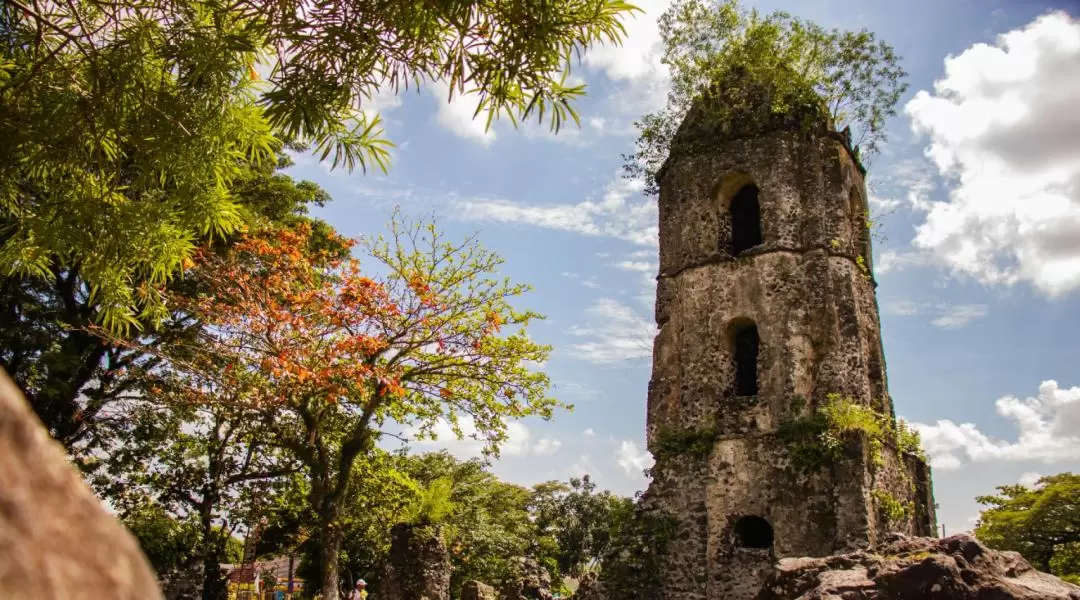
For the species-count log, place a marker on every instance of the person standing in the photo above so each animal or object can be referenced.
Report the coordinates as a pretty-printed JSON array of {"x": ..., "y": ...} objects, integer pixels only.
[{"x": 360, "y": 591}]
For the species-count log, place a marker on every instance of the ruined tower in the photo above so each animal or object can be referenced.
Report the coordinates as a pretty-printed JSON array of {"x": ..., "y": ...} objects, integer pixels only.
[{"x": 766, "y": 310}]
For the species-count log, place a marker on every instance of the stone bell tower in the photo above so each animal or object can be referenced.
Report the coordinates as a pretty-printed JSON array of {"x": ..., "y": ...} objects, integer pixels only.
[{"x": 766, "y": 307}]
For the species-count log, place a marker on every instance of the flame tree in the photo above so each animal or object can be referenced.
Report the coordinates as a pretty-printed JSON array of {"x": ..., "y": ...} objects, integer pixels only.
[{"x": 330, "y": 357}]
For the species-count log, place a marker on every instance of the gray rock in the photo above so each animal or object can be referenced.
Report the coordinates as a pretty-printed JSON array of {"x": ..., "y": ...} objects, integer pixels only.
[
  {"x": 532, "y": 583},
  {"x": 909, "y": 568},
  {"x": 475, "y": 590}
]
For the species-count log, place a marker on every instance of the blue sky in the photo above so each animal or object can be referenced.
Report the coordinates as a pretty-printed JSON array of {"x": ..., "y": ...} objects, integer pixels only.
[{"x": 977, "y": 192}]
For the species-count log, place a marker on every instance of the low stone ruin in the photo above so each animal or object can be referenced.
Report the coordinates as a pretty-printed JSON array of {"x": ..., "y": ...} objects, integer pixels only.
[
  {"x": 475, "y": 590},
  {"x": 56, "y": 540},
  {"x": 533, "y": 582},
  {"x": 907, "y": 568},
  {"x": 418, "y": 567}
]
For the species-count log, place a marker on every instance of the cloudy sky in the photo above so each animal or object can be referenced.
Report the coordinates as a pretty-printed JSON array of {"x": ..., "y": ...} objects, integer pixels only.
[{"x": 978, "y": 193}]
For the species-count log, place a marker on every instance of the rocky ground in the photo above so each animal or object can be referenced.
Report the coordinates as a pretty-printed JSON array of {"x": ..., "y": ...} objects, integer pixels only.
[{"x": 906, "y": 568}]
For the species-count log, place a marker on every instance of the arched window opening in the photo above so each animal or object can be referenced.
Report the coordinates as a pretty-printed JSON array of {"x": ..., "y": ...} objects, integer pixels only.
[
  {"x": 745, "y": 220},
  {"x": 753, "y": 532},
  {"x": 746, "y": 344}
]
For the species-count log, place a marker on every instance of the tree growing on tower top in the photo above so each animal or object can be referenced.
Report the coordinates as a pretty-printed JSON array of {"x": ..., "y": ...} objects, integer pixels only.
[{"x": 724, "y": 59}]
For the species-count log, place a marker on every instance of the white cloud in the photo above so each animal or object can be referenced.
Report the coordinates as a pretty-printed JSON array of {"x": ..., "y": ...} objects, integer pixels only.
[
  {"x": 590, "y": 431},
  {"x": 615, "y": 333},
  {"x": 457, "y": 114},
  {"x": 943, "y": 314},
  {"x": 641, "y": 266},
  {"x": 636, "y": 61},
  {"x": 891, "y": 260},
  {"x": 1048, "y": 430},
  {"x": 621, "y": 213},
  {"x": 1029, "y": 479},
  {"x": 957, "y": 316},
  {"x": 1004, "y": 128},
  {"x": 519, "y": 440},
  {"x": 382, "y": 101},
  {"x": 632, "y": 459},
  {"x": 546, "y": 445}
]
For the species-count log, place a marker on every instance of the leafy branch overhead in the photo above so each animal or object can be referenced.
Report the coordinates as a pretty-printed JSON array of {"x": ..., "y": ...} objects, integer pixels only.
[
  {"x": 126, "y": 124},
  {"x": 715, "y": 48}
]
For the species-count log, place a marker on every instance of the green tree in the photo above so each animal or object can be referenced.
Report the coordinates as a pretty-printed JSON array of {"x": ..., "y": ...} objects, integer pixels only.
[
  {"x": 380, "y": 497},
  {"x": 485, "y": 522},
  {"x": 170, "y": 544},
  {"x": 1042, "y": 523},
  {"x": 126, "y": 123},
  {"x": 208, "y": 461},
  {"x": 330, "y": 357},
  {"x": 575, "y": 523},
  {"x": 71, "y": 376},
  {"x": 712, "y": 46},
  {"x": 120, "y": 152}
]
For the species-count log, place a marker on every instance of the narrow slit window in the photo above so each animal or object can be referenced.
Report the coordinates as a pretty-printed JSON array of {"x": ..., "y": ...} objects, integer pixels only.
[
  {"x": 745, "y": 220},
  {"x": 746, "y": 359}
]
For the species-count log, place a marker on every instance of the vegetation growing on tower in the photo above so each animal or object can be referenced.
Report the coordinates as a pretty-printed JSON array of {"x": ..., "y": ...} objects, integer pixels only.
[{"x": 722, "y": 58}]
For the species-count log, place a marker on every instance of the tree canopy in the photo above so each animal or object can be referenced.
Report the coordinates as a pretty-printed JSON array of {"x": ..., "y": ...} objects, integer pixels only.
[
  {"x": 1041, "y": 522},
  {"x": 126, "y": 123},
  {"x": 711, "y": 47},
  {"x": 327, "y": 358}
]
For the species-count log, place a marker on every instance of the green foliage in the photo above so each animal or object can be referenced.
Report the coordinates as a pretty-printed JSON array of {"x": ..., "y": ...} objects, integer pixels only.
[
  {"x": 71, "y": 379},
  {"x": 864, "y": 269},
  {"x": 845, "y": 417},
  {"x": 126, "y": 125},
  {"x": 635, "y": 560},
  {"x": 895, "y": 510},
  {"x": 118, "y": 159},
  {"x": 575, "y": 523},
  {"x": 717, "y": 50},
  {"x": 170, "y": 544},
  {"x": 434, "y": 504},
  {"x": 908, "y": 440},
  {"x": 818, "y": 440},
  {"x": 688, "y": 442},
  {"x": 1040, "y": 523},
  {"x": 488, "y": 525}
]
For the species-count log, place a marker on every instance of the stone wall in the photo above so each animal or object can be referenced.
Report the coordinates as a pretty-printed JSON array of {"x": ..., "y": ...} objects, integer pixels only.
[
  {"x": 729, "y": 479},
  {"x": 418, "y": 567}
]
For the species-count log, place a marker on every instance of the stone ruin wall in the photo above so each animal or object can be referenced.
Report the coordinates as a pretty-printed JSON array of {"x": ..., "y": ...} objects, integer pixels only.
[{"x": 816, "y": 315}]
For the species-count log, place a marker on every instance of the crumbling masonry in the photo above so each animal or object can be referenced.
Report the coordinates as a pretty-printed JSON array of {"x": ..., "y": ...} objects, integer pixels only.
[{"x": 765, "y": 305}]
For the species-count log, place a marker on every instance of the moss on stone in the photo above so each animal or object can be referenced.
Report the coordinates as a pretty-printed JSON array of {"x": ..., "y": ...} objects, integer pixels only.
[
  {"x": 894, "y": 509},
  {"x": 818, "y": 440},
  {"x": 692, "y": 442}
]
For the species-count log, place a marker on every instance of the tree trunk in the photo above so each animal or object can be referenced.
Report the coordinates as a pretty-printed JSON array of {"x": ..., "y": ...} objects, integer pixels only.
[
  {"x": 212, "y": 588},
  {"x": 329, "y": 547}
]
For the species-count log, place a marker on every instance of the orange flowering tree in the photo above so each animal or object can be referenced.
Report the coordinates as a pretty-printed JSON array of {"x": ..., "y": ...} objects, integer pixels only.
[{"x": 330, "y": 357}]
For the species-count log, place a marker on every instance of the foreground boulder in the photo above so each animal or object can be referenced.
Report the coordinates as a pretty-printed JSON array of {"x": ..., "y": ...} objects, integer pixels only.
[
  {"x": 56, "y": 540},
  {"x": 475, "y": 590},
  {"x": 905, "y": 568}
]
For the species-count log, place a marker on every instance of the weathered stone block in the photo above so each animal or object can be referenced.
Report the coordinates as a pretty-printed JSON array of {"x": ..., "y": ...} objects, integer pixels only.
[
  {"x": 418, "y": 567},
  {"x": 533, "y": 582},
  {"x": 475, "y": 590}
]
